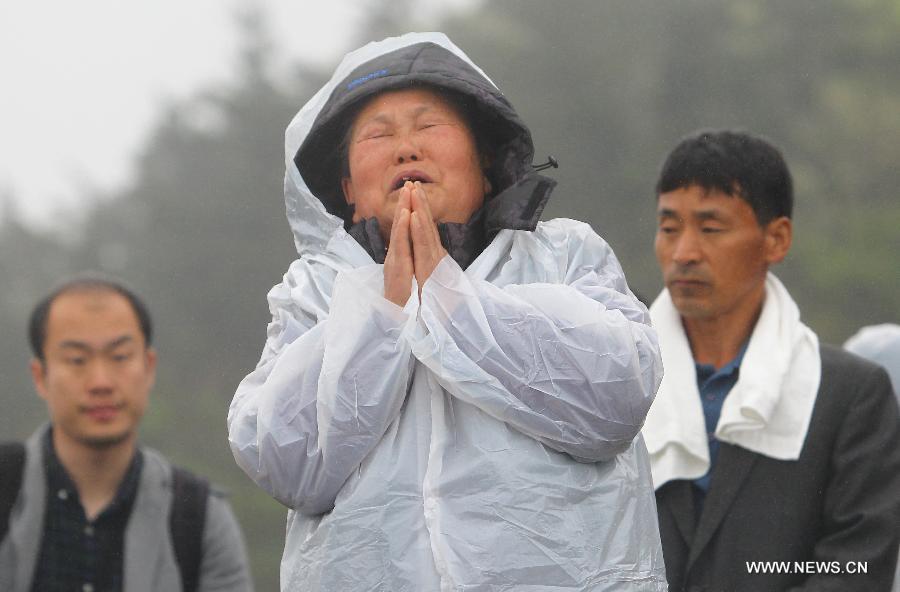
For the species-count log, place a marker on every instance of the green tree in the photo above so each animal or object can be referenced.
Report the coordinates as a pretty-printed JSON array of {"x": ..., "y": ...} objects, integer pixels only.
[
  {"x": 201, "y": 235},
  {"x": 609, "y": 87},
  {"x": 29, "y": 263}
]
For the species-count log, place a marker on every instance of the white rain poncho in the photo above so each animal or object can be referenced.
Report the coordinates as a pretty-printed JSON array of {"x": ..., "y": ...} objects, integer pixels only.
[{"x": 485, "y": 438}]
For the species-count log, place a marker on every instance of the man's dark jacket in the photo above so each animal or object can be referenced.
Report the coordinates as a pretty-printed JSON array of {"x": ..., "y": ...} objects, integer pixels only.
[{"x": 838, "y": 505}]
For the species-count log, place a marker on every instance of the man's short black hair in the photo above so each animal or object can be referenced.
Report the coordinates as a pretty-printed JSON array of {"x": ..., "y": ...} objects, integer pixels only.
[
  {"x": 88, "y": 282},
  {"x": 735, "y": 163}
]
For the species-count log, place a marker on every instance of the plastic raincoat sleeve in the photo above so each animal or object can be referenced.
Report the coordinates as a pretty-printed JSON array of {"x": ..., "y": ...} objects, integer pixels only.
[
  {"x": 333, "y": 376},
  {"x": 574, "y": 364}
]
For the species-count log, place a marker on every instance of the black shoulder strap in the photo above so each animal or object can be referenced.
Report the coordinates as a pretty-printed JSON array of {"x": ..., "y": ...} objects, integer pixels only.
[
  {"x": 186, "y": 522},
  {"x": 12, "y": 464}
]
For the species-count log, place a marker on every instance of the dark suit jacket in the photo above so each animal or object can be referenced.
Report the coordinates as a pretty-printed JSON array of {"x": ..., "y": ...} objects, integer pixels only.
[{"x": 838, "y": 503}]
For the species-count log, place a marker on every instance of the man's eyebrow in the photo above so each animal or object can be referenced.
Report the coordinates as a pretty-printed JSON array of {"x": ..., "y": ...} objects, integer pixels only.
[
  {"x": 71, "y": 344},
  {"x": 80, "y": 345},
  {"x": 668, "y": 213},
  {"x": 704, "y": 215},
  {"x": 124, "y": 339}
]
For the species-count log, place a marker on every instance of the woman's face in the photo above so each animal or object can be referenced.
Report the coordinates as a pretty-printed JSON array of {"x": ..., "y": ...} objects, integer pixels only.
[{"x": 413, "y": 134}]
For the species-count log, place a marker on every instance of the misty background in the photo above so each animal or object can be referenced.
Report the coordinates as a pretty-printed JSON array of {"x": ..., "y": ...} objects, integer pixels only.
[{"x": 608, "y": 87}]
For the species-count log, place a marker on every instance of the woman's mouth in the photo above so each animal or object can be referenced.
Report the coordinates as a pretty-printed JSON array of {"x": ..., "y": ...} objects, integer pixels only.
[{"x": 401, "y": 179}]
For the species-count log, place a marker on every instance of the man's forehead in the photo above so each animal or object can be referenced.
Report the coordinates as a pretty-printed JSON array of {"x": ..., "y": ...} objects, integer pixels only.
[
  {"x": 84, "y": 313},
  {"x": 92, "y": 298}
]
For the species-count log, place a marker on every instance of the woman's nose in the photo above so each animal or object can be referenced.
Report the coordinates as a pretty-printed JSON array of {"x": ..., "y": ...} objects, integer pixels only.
[{"x": 407, "y": 150}]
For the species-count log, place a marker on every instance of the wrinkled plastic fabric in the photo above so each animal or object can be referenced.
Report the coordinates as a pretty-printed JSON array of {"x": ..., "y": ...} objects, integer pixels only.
[
  {"x": 879, "y": 344},
  {"x": 483, "y": 438}
]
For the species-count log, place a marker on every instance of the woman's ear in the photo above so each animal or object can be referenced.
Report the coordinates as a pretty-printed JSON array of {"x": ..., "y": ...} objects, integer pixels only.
[
  {"x": 350, "y": 196},
  {"x": 486, "y": 160},
  {"x": 347, "y": 187}
]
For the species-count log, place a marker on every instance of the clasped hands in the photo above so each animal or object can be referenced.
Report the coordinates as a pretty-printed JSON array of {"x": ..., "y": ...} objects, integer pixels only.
[{"x": 415, "y": 246}]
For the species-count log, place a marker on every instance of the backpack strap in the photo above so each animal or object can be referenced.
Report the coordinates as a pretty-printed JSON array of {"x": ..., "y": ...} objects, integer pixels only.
[
  {"x": 186, "y": 524},
  {"x": 12, "y": 465}
]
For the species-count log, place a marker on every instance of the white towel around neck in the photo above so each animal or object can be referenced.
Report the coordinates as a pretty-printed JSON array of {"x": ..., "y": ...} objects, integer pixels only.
[{"x": 768, "y": 409}]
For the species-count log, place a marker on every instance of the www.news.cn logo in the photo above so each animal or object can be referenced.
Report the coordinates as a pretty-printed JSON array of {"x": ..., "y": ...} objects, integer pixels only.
[{"x": 807, "y": 567}]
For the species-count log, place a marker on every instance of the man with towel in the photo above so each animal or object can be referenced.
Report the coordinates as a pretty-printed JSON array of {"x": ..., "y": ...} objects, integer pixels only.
[{"x": 775, "y": 459}]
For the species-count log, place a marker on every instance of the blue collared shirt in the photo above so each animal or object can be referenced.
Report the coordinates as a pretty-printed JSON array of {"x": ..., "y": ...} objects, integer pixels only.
[{"x": 714, "y": 385}]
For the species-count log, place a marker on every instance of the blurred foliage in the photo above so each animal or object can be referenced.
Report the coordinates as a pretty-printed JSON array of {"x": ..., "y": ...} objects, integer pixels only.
[{"x": 607, "y": 87}]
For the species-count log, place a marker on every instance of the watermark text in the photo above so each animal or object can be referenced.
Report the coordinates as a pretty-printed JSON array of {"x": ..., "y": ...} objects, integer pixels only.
[{"x": 807, "y": 567}]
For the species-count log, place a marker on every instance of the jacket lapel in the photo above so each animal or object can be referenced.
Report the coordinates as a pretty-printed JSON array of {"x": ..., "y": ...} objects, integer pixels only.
[
  {"x": 731, "y": 470},
  {"x": 680, "y": 502},
  {"x": 146, "y": 537},
  {"x": 26, "y": 531}
]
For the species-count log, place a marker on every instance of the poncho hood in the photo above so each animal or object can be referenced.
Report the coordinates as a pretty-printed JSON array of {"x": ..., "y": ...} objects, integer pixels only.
[{"x": 316, "y": 208}]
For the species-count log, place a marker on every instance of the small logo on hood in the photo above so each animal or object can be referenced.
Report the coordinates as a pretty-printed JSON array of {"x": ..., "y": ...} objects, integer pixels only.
[{"x": 371, "y": 76}]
